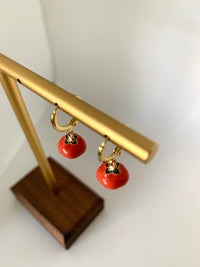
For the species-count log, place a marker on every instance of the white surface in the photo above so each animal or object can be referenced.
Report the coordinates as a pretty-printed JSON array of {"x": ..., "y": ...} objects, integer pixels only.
[
  {"x": 22, "y": 38},
  {"x": 139, "y": 63},
  {"x": 153, "y": 221}
]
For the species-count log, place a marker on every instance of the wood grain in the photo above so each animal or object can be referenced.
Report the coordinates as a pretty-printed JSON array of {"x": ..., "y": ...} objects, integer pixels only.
[{"x": 66, "y": 212}]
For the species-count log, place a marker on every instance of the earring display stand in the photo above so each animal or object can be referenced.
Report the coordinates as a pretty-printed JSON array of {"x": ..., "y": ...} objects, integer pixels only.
[{"x": 63, "y": 204}]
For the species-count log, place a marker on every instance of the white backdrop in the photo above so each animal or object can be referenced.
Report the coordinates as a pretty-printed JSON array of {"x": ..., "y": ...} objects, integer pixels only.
[
  {"x": 22, "y": 38},
  {"x": 139, "y": 62}
]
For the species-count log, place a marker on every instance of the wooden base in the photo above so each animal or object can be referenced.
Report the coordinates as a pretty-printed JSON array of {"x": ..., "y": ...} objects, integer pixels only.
[{"x": 65, "y": 213}]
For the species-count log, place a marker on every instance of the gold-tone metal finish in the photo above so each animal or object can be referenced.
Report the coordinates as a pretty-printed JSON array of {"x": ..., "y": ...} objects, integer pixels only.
[
  {"x": 21, "y": 112},
  {"x": 57, "y": 126},
  {"x": 111, "y": 157},
  {"x": 120, "y": 134}
]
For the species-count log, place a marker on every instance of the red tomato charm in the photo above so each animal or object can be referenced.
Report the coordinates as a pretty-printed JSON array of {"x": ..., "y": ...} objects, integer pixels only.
[
  {"x": 112, "y": 179},
  {"x": 72, "y": 147}
]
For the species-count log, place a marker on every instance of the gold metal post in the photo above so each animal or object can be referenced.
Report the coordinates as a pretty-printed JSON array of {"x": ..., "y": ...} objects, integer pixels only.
[
  {"x": 24, "y": 119},
  {"x": 123, "y": 136}
]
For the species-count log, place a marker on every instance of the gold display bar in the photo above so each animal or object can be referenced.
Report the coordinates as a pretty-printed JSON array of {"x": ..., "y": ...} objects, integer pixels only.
[{"x": 134, "y": 143}]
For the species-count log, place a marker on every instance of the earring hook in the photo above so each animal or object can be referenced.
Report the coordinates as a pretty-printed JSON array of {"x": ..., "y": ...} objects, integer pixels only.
[
  {"x": 54, "y": 121},
  {"x": 57, "y": 126},
  {"x": 112, "y": 156}
]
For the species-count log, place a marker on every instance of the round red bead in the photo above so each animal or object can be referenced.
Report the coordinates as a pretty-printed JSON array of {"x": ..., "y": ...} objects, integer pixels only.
[
  {"x": 114, "y": 179},
  {"x": 70, "y": 150}
]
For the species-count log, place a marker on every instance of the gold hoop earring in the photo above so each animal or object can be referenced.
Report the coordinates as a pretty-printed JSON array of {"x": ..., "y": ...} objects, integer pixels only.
[
  {"x": 72, "y": 145},
  {"x": 111, "y": 174}
]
